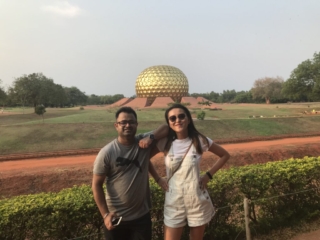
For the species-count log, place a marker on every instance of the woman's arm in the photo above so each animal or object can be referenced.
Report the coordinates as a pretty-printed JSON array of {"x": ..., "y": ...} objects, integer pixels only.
[
  {"x": 161, "y": 181},
  {"x": 224, "y": 157},
  {"x": 222, "y": 153}
]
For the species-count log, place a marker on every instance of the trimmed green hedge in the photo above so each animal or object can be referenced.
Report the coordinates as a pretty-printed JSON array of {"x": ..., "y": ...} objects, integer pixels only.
[{"x": 72, "y": 213}]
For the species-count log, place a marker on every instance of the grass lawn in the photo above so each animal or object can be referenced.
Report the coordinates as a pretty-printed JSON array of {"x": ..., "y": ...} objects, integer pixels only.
[{"x": 65, "y": 129}]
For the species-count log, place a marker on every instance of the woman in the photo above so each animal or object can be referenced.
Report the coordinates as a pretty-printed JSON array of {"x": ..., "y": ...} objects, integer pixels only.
[{"x": 187, "y": 200}]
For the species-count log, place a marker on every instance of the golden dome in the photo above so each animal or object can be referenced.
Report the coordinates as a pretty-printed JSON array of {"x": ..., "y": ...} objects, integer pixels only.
[{"x": 162, "y": 81}]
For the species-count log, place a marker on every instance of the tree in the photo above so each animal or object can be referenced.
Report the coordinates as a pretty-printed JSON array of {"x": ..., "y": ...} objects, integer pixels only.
[
  {"x": 243, "y": 97},
  {"x": 59, "y": 96},
  {"x": 3, "y": 96},
  {"x": 19, "y": 93},
  {"x": 212, "y": 96},
  {"x": 227, "y": 96},
  {"x": 40, "y": 110},
  {"x": 31, "y": 89},
  {"x": 109, "y": 99},
  {"x": 205, "y": 103},
  {"x": 93, "y": 100},
  {"x": 52, "y": 94},
  {"x": 304, "y": 81},
  {"x": 267, "y": 88},
  {"x": 75, "y": 96}
]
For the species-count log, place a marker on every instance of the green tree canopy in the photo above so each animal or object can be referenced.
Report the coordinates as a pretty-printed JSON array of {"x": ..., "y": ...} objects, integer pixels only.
[
  {"x": 40, "y": 110},
  {"x": 212, "y": 96},
  {"x": 227, "y": 96},
  {"x": 75, "y": 96},
  {"x": 36, "y": 89},
  {"x": 21, "y": 90},
  {"x": 243, "y": 97},
  {"x": 32, "y": 89},
  {"x": 304, "y": 81},
  {"x": 267, "y": 88},
  {"x": 3, "y": 94},
  {"x": 93, "y": 99}
]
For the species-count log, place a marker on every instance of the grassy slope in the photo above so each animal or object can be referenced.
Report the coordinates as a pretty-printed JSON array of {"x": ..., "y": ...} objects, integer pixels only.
[{"x": 74, "y": 129}]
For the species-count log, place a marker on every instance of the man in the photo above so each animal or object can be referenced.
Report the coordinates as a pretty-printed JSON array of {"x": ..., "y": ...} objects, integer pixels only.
[{"x": 123, "y": 165}]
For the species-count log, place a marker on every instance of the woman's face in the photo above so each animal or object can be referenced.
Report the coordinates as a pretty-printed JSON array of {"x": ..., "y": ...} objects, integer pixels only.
[{"x": 178, "y": 120}]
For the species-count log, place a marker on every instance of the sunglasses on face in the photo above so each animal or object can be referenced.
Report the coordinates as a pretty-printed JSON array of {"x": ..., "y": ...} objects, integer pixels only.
[{"x": 180, "y": 116}]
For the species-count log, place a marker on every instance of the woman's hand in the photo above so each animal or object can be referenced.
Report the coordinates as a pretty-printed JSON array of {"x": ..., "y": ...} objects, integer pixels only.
[
  {"x": 204, "y": 179},
  {"x": 145, "y": 142},
  {"x": 163, "y": 184}
]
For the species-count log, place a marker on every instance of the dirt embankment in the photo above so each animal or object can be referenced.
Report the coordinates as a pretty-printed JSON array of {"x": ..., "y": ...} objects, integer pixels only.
[{"x": 36, "y": 175}]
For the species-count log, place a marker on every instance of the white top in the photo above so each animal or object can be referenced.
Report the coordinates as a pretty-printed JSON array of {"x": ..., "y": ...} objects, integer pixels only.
[{"x": 179, "y": 148}]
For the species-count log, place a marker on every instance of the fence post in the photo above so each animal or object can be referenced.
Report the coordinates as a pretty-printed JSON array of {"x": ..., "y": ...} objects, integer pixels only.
[{"x": 246, "y": 217}]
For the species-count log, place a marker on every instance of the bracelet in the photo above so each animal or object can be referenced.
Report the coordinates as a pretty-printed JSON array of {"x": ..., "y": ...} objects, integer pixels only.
[
  {"x": 104, "y": 216},
  {"x": 158, "y": 180},
  {"x": 209, "y": 175}
]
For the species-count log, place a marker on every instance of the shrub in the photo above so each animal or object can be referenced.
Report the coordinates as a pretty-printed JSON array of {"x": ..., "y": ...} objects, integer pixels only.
[
  {"x": 81, "y": 108},
  {"x": 201, "y": 115},
  {"x": 40, "y": 110},
  {"x": 271, "y": 189}
]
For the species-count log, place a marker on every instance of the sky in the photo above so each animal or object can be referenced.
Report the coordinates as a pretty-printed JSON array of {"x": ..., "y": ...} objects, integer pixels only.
[{"x": 102, "y": 46}]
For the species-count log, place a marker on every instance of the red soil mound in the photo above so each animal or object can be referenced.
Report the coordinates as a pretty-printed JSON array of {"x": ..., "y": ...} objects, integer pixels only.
[
  {"x": 121, "y": 102},
  {"x": 137, "y": 103},
  {"x": 192, "y": 101},
  {"x": 161, "y": 102}
]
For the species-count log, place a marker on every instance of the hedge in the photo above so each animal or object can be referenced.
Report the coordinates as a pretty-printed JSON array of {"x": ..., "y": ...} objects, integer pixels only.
[{"x": 282, "y": 194}]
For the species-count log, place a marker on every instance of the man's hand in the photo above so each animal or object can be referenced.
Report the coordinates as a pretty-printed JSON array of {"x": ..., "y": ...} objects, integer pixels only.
[
  {"x": 108, "y": 221},
  {"x": 145, "y": 142}
]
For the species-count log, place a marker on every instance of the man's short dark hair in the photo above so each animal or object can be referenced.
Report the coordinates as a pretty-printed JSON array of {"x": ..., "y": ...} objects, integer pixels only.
[{"x": 126, "y": 110}]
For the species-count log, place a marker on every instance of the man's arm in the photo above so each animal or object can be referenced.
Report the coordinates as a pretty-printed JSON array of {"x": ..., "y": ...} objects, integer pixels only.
[
  {"x": 161, "y": 132},
  {"x": 99, "y": 198}
]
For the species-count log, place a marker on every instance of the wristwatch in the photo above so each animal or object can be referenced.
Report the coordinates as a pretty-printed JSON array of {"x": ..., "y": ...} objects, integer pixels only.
[{"x": 151, "y": 136}]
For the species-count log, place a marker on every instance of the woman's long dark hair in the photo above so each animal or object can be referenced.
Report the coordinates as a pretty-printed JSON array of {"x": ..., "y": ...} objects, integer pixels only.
[{"x": 192, "y": 131}]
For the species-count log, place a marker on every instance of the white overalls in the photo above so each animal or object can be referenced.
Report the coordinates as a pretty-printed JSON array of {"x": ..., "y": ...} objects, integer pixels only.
[{"x": 185, "y": 202}]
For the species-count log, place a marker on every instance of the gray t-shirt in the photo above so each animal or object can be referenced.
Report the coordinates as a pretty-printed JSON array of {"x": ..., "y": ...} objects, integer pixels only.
[{"x": 127, "y": 179}]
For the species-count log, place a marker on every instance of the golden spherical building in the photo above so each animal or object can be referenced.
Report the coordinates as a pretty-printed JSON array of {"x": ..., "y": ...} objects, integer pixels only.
[{"x": 162, "y": 81}]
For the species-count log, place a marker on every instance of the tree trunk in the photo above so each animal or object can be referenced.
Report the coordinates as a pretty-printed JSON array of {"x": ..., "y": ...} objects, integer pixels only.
[{"x": 267, "y": 100}]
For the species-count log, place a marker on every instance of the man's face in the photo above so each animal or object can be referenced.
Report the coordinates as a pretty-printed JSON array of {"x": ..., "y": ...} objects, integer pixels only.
[{"x": 126, "y": 125}]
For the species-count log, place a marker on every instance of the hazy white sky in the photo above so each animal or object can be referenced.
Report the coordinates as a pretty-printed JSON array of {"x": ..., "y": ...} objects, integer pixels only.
[{"x": 102, "y": 46}]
